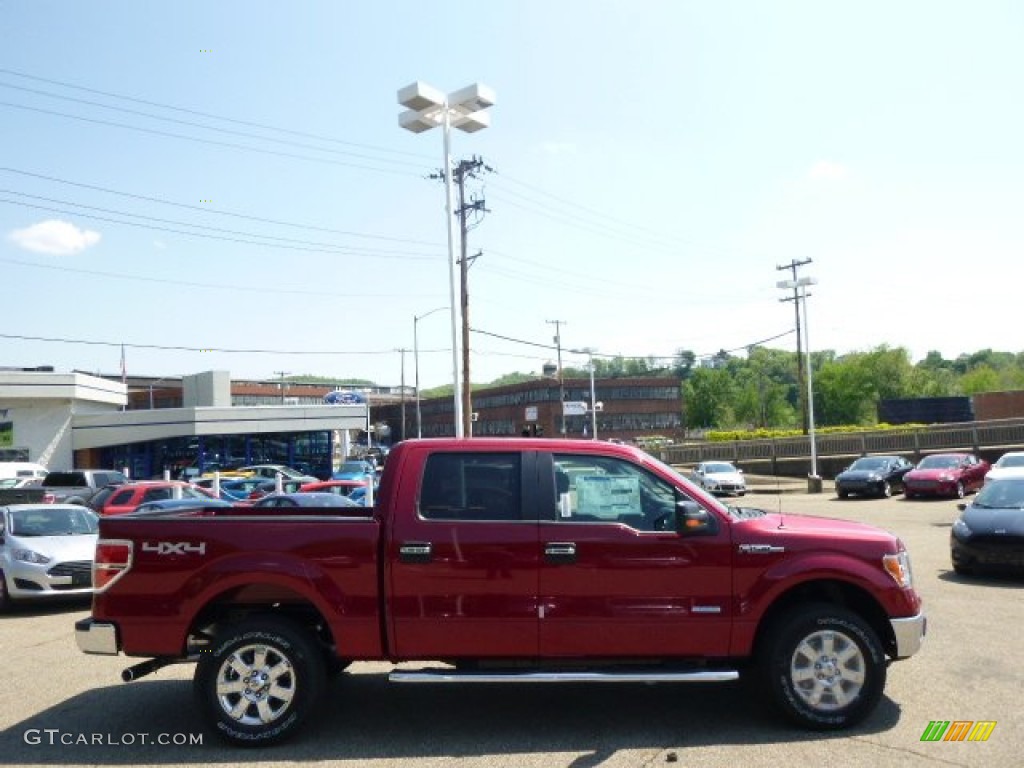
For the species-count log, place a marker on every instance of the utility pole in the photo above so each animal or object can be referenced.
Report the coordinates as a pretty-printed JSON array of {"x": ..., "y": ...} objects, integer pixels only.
[
  {"x": 282, "y": 374},
  {"x": 561, "y": 379},
  {"x": 466, "y": 169},
  {"x": 403, "y": 351},
  {"x": 793, "y": 266}
]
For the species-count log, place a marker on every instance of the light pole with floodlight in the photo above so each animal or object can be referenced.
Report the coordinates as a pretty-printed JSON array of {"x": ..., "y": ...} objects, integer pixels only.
[
  {"x": 593, "y": 392},
  {"x": 426, "y": 108},
  {"x": 416, "y": 364},
  {"x": 813, "y": 481}
]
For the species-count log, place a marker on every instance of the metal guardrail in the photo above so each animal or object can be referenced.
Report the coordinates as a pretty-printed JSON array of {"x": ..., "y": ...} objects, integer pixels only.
[{"x": 969, "y": 436}]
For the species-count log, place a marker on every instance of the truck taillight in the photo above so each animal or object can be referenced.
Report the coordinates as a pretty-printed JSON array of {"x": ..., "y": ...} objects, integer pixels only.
[
  {"x": 113, "y": 559},
  {"x": 49, "y": 498}
]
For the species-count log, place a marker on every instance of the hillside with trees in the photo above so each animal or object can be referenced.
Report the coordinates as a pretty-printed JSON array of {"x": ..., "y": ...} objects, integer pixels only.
[{"x": 761, "y": 389}]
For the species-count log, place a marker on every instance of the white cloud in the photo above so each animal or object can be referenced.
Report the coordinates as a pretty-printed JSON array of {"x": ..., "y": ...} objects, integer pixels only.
[
  {"x": 60, "y": 238},
  {"x": 826, "y": 170}
]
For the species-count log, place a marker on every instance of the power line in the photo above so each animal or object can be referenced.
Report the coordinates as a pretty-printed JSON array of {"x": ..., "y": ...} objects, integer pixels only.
[
  {"x": 244, "y": 134},
  {"x": 273, "y": 290},
  {"x": 340, "y": 248},
  {"x": 335, "y": 251},
  {"x": 210, "y": 115},
  {"x": 219, "y": 211},
  {"x": 184, "y": 348},
  {"x": 213, "y": 142}
]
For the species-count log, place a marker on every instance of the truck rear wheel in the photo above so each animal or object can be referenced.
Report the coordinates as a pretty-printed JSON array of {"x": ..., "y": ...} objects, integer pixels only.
[
  {"x": 824, "y": 667},
  {"x": 260, "y": 680}
]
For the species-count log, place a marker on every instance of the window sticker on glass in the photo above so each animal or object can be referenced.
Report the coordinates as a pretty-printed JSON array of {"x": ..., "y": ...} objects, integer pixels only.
[{"x": 608, "y": 497}]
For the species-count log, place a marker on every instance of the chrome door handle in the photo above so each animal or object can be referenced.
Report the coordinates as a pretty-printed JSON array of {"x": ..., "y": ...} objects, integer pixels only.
[
  {"x": 560, "y": 552},
  {"x": 415, "y": 552}
]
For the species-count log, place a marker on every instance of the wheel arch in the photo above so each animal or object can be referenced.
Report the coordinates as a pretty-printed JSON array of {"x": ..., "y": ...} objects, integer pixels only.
[
  {"x": 835, "y": 592},
  {"x": 238, "y": 603}
]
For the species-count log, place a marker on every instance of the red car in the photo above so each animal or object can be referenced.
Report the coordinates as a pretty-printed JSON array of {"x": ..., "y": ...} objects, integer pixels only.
[
  {"x": 128, "y": 496},
  {"x": 337, "y": 487},
  {"x": 946, "y": 474}
]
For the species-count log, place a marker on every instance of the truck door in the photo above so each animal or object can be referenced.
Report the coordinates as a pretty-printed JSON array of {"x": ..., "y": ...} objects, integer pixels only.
[
  {"x": 616, "y": 578},
  {"x": 463, "y": 563}
]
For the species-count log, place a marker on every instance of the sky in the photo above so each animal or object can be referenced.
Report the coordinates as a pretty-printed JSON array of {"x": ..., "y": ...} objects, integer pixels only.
[{"x": 224, "y": 185}]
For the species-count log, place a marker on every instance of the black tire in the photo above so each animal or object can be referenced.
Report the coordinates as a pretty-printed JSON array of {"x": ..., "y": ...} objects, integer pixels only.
[
  {"x": 886, "y": 490},
  {"x": 962, "y": 570},
  {"x": 288, "y": 668},
  {"x": 842, "y": 494},
  {"x": 960, "y": 491},
  {"x": 824, "y": 666},
  {"x": 5, "y": 597}
]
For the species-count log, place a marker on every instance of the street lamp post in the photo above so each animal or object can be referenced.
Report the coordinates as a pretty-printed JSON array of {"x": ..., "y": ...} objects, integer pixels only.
[
  {"x": 151, "y": 385},
  {"x": 813, "y": 480},
  {"x": 426, "y": 108},
  {"x": 416, "y": 364},
  {"x": 593, "y": 392}
]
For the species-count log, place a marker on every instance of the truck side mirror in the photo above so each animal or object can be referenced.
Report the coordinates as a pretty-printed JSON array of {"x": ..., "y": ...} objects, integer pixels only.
[{"x": 693, "y": 520}]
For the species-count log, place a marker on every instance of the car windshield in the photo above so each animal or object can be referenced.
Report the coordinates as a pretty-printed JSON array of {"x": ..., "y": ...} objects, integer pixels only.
[
  {"x": 53, "y": 522},
  {"x": 1011, "y": 460},
  {"x": 870, "y": 463},
  {"x": 717, "y": 469},
  {"x": 939, "y": 462},
  {"x": 1002, "y": 494}
]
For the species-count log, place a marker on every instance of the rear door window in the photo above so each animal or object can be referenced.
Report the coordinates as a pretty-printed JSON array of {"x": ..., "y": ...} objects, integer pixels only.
[{"x": 472, "y": 486}]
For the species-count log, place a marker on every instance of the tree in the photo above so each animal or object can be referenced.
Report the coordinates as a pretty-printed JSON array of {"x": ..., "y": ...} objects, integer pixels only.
[{"x": 707, "y": 396}]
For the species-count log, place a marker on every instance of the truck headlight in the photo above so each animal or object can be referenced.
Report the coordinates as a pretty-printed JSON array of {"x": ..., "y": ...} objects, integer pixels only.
[
  {"x": 960, "y": 527},
  {"x": 29, "y": 556},
  {"x": 898, "y": 566}
]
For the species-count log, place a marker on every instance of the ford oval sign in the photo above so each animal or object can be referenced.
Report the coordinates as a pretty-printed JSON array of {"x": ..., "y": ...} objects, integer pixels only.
[{"x": 344, "y": 397}]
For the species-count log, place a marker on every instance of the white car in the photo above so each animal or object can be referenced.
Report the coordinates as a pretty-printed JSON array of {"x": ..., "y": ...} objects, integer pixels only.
[
  {"x": 720, "y": 477},
  {"x": 46, "y": 551},
  {"x": 1009, "y": 465}
]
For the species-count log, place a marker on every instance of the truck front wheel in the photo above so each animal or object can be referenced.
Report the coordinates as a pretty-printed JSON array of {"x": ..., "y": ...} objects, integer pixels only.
[
  {"x": 824, "y": 666},
  {"x": 260, "y": 680}
]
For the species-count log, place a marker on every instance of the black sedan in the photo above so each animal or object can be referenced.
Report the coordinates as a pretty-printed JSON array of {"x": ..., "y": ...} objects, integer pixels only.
[
  {"x": 873, "y": 476},
  {"x": 989, "y": 534}
]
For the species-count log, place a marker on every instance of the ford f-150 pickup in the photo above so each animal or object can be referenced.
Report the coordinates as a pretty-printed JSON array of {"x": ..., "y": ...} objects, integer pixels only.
[{"x": 516, "y": 560}]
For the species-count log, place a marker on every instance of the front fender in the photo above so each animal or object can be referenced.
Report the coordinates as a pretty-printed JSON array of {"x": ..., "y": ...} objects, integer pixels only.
[{"x": 803, "y": 570}]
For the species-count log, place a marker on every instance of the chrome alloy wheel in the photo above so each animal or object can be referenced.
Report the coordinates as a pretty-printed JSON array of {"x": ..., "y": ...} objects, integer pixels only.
[
  {"x": 827, "y": 670},
  {"x": 256, "y": 684}
]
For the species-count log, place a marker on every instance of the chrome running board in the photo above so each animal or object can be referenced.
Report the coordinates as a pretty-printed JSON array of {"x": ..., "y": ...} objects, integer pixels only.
[{"x": 454, "y": 676}]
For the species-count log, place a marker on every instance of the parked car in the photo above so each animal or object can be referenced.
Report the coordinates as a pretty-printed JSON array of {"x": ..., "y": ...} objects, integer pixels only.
[
  {"x": 719, "y": 477},
  {"x": 80, "y": 485},
  {"x": 945, "y": 474},
  {"x": 638, "y": 576},
  {"x": 873, "y": 476},
  {"x": 232, "y": 488},
  {"x": 46, "y": 551},
  {"x": 337, "y": 487},
  {"x": 163, "y": 505},
  {"x": 989, "y": 534},
  {"x": 354, "y": 469},
  {"x": 130, "y": 495},
  {"x": 301, "y": 499},
  {"x": 270, "y": 471},
  {"x": 268, "y": 487},
  {"x": 1009, "y": 464}
]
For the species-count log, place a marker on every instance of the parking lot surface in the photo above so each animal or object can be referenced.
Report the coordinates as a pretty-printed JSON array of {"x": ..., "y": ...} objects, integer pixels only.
[{"x": 61, "y": 707}]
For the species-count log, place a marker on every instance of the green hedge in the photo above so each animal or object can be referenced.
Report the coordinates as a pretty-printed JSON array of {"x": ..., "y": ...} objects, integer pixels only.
[{"x": 721, "y": 436}]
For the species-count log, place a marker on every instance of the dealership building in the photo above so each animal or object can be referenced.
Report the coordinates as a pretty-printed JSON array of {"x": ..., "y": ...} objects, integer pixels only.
[{"x": 66, "y": 420}]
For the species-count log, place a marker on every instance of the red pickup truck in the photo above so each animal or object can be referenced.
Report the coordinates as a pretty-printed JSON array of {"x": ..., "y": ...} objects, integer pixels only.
[{"x": 506, "y": 560}]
